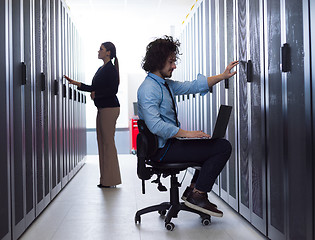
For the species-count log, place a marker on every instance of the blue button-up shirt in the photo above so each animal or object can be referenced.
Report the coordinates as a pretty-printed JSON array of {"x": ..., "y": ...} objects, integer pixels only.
[{"x": 155, "y": 105}]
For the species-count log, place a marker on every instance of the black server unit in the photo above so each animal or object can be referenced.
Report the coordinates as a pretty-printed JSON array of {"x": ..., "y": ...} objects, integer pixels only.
[
  {"x": 213, "y": 71},
  {"x": 220, "y": 88},
  {"x": 69, "y": 102},
  {"x": 54, "y": 93},
  {"x": 40, "y": 88},
  {"x": 28, "y": 81},
  {"x": 47, "y": 100},
  {"x": 65, "y": 112},
  {"x": 18, "y": 137},
  {"x": 5, "y": 123},
  {"x": 229, "y": 188},
  {"x": 59, "y": 91},
  {"x": 252, "y": 179},
  {"x": 288, "y": 120}
]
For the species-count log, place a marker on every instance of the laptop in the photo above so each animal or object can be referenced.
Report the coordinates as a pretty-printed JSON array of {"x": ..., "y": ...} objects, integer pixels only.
[{"x": 220, "y": 124}]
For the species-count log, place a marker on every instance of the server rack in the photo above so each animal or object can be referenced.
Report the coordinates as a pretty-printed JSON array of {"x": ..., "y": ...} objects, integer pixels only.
[
  {"x": 272, "y": 126},
  {"x": 31, "y": 104}
]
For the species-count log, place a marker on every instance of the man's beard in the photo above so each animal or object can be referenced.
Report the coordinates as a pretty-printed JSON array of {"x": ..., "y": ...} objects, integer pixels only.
[{"x": 167, "y": 76}]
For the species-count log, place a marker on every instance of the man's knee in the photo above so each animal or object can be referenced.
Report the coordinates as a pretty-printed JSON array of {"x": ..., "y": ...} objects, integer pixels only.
[{"x": 225, "y": 146}]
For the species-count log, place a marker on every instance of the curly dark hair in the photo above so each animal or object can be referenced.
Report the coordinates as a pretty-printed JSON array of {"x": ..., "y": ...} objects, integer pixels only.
[{"x": 158, "y": 51}]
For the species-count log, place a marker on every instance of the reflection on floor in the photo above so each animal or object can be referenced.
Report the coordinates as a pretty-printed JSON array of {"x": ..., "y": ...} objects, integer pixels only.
[{"x": 83, "y": 211}]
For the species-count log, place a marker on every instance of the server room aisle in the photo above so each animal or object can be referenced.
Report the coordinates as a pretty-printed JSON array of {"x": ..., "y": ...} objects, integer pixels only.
[{"x": 83, "y": 211}]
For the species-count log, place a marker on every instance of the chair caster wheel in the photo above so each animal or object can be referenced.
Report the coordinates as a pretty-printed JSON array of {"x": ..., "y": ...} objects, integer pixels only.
[
  {"x": 169, "y": 226},
  {"x": 162, "y": 212},
  {"x": 137, "y": 219},
  {"x": 206, "y": 221}
]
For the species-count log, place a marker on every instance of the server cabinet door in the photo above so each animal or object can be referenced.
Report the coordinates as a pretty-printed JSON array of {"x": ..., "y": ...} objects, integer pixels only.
[
  {"x": 18, "y": 91},
  {"x": 59, "y": 78},
  {"x": 47, "y": 100},
  {"x": 220, "y": 87},
  {"x": 297, "y": 138},
  {"x": 251, "y": 113},
  {"x": 274, "y": 122},
  {"x": 288, "y": 120},
  {"x": 65, "y": 111},
  {"x": 39, "y": 106},
  {"x": 29, "y": 60},
  {"x": 5, "y": 75},
  {"x": 213, "y": 71},
  {"x": 230, "y": 193},
  {"x": 54, "y": 93}
]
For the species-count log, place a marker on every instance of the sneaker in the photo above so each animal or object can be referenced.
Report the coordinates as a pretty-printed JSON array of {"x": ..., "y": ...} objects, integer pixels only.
[
  {"x": 187, "y": 191},
  {"x": 102, "y": 186},
  {"x": 200, "y": 202}
]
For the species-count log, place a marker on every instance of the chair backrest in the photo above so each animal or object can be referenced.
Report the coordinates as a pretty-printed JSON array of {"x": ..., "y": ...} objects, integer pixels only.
[
  {"x": 148, "y": 139},
  {"x": 147, "y": 145}
]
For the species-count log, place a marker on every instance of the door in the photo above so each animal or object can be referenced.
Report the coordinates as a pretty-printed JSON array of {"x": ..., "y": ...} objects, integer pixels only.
[
  {"x": 5, "y": 123},
  {"x": 288, "y": 115},
  {"x": 54, "y": 97},
  {"x": 228, "y": 92},
  {"x": 18, "y": 96},
  {"x": 251, "y": 126}
]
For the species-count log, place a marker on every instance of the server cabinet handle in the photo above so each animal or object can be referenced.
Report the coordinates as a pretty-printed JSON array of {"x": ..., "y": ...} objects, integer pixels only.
[
  {"x": 56, "y": 87},
  {"x": 248, "y": 66},
  {"x": 84, "y": 99},
  {"x": 43, "y": 82},
  {"x": 79, "y": 97},
  {"x": 75, "y": 95},
  {"x": 183, "y": 98},
  {"x": 226, "y": 83},
  {"x": 211, "y": 89},
  {"x": 64, "y": 91},
  {"x": 249, "y": 71},
  {"x": 194, "y": 95},
  {"x": 23, "y": 73},
  {"x": 70, "y": 93},
  {"x": 286, "y": 57},
  {"x": 178, "y": 98}
]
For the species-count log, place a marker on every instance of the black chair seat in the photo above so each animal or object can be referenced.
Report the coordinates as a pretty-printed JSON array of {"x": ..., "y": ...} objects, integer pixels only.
[{"x": 177, "y": 166}]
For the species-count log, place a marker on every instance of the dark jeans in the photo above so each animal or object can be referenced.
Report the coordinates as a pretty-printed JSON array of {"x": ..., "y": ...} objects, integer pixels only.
[{"x": 213, "y": 154}]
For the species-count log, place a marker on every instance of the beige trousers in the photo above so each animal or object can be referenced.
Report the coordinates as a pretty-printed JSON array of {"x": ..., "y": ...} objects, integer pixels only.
[{"x": 108, "y": 160}]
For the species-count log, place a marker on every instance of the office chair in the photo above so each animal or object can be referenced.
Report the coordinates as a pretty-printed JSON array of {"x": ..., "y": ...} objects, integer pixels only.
[{"x": 147, "y": 145}]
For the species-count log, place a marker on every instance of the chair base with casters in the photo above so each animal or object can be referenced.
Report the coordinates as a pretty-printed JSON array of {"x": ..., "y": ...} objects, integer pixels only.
[{"x": 170, "y": 209}]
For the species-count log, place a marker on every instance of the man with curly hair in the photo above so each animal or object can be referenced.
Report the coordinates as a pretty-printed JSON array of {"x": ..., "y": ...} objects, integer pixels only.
[{"x": 156, "y": 106}]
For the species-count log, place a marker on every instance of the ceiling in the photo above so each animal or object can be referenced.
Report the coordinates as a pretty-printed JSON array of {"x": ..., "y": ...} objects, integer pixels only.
[{"x": 173, "y": 12}]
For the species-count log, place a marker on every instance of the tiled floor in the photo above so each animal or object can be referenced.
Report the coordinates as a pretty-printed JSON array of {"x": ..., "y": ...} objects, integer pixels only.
[{"x": 83, "y": 211}]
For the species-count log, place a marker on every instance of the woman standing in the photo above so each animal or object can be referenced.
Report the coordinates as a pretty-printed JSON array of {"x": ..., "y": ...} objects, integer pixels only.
[{"x": 103, "y": 91}]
